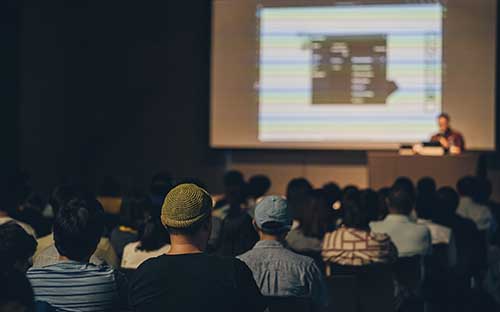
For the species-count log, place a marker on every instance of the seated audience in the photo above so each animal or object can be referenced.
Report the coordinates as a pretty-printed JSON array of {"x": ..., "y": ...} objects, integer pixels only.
[
  {"x": 46, "y": 252},
  {"x": 186, "y": 278},
  {"x": 471, "y": 251},
  {"x": 297, "y": 196},
  {"x": 233, "y": 197},
  {"x": 383, "y": 210},
  {"x": 279, "y": 271},
  {"x": 411, "y": 239},
  {"x": 317, "y": 218},
  {"x": 237, "y": 235},
  {"x": 16, "y": 294},
  {"x": 4, "y": 218},
  {"x": 467, "y": 187},
  {"x": 153, "y": 242},
  {"x": 161, "y": 184},
  {"x": 30, "y": 210},
  {"x": 75, "y": 284},
  {"x": 133, "y": 210},
  {"x": 16, "y": 247},
  {"x": 258, "y": 186},
  {"x": 426, "y": 208},
  {"x": 354, "y": 244}
]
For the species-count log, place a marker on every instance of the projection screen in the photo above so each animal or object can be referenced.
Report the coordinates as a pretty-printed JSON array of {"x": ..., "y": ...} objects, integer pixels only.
[{"x": 351, "y": 75}]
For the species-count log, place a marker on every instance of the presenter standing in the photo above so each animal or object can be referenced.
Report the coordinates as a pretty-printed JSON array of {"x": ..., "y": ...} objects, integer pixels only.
[{"x": 450, "y": 140}]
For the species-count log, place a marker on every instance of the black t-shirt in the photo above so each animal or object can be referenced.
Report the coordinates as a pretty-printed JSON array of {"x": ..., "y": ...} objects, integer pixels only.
[{"x": 194, "y": 282}]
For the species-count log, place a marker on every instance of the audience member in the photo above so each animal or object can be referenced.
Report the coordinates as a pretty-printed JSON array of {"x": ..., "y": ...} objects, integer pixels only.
[
  {"x": 411, "y": 239},
  {"x": 77, "y": 230},
  {"x": 426, "y": 208},
  {"x": 16, "y": 294},
  {"x": 315, "y": 221},
  {"x": 5, "y": 217},
  {"x": 161, "y": 184},
  {"x": 383, "y": 195},
  {"x": 46, "y": 253},
  {"x": 30, "y": 210},
  {"x": 233, "y": 198},
  {"x": 153, "y": 242},
  {"x": 279, "y": 271},
  {"x": 354, "y": 244},
  {"x": 188, "y": 279},
  {"x": 258, "y": 186},
  {"x": 133, "y": 210},
  {"x": 471, "y": 250},
  {"x": 297, "y": 195},
  {"x": 16, "y": 247},
  {"x": 467, "y": 187}
]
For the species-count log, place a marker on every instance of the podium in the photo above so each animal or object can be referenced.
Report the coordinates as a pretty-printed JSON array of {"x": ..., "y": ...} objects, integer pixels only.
[{"x": 384, "y": 167}]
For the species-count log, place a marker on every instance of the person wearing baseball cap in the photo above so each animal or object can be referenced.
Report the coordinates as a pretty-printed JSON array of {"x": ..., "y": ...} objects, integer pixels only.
[
  {"x": 280, "y": 271},
  {"x": 187, "y": 278}
]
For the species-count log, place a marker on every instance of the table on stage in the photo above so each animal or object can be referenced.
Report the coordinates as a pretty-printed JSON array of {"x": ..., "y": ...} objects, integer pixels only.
[{"x": 384, "y": 167}]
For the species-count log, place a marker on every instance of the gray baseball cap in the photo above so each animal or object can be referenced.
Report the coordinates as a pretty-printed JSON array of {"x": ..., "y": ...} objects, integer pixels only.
[{"x": 273, "y": 209}]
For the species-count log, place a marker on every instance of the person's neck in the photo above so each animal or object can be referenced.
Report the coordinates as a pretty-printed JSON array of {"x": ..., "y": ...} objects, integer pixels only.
[
  {"x": 268, "y": 237},
  {"x": 180, "y": 245}
]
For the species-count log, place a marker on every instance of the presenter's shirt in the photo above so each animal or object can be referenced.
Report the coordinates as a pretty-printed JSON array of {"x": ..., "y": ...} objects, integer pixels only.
[{"x": 455, "y": 138}]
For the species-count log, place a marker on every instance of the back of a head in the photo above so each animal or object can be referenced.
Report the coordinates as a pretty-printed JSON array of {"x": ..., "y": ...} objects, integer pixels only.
[
  {"x": 467, "y": 186},
  {"x": 161, "y": 183},
  {"x": 368, "y": 200},
  {"x": 333, "y": 192},
  {"x": 484, "y": 191},
  {"x": 350, "y": 192},
  {"x": 318, "y": 215},
  {"x": 152, "y": 235},
  {"x": 400, "y": 201},
  {"x": 234, "y": 188},
  {"x": 62, "y": 194},
  {"x": 233, "y": 178},
  {"x": 78, "y": 227},
  {"x": 186, "y": 210},
  {"x": 426, "y": 198},
  {"x": 258, "y": 185},
  {"x": 405, "y": 184},
  {"x": 297, "y": 193},
  {"x": 16, "y": 247},
  {"x": 135, "y": 205},
  {"x": 448, "y": 201}
]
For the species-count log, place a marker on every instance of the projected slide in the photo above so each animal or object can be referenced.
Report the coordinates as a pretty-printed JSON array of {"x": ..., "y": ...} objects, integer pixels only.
[{"x": 349, "y": 73}]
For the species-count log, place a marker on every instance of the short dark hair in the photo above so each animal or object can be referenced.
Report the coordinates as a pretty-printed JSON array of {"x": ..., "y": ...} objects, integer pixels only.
[
  {"x": 15, "y": 245},
  {"x": 258, "y": 185},
  {"x": 360, "y": 210},
  {"x": 406, "y": 184},
  {"x": 78, "y": 227},
  {"x": 62, "y": 194},
  {"x": 233, "y": 178},
  {"x": 448, "y": 200},
  {"x": 400, "y": 200},
  {"x": 467, "y": 186},
  {"x": 297, "y": 195},
  {"x": 191, "y": 230},
  {"x": 134, "y": 207},
  {"x": 445, "y": 116}
]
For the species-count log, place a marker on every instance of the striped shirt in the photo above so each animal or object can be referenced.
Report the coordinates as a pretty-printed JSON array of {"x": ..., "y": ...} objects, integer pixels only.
[
  {"x": 77, "y": 286},
  {"x": 348, "y": 246}
]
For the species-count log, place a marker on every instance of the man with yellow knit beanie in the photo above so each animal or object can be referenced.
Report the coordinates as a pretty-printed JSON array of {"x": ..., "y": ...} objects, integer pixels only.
[{"x": 188, "y": 279}]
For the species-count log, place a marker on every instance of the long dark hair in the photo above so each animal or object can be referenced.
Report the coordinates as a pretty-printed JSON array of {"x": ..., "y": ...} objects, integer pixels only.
[
  {"x": 152, "y": 235},
  {"x": 135, "y": 206},
  {"x": 318, "y": 216}
]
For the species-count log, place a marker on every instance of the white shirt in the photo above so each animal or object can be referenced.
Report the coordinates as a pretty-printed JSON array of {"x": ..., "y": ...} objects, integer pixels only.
[
  {"x": 133, "y": 257},
  {"x": 441, "y": 234},
  {"x": 478, "y": 213},
  {"x": 25, "y": 226}
]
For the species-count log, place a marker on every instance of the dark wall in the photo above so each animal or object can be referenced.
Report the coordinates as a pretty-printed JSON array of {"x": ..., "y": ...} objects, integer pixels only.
[{"x": 115, "y": 88}]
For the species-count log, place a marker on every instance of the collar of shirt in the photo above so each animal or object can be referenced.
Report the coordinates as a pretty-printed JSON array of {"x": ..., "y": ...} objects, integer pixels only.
[
  {"x": 269, "y": 244},
  {"x": 397, "y": 218}
]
